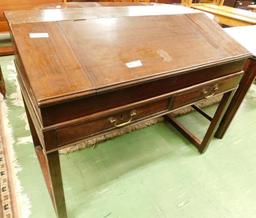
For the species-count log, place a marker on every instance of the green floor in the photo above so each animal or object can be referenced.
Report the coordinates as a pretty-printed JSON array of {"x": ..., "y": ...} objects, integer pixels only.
[{"x": 149, "y": 173}]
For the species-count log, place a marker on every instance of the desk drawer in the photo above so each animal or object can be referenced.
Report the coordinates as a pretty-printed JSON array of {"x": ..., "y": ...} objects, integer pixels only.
[
  {"x": 113, "y": 121},
  {"x": 205, "y": 90},
  {"x": 123, "y": 116}
]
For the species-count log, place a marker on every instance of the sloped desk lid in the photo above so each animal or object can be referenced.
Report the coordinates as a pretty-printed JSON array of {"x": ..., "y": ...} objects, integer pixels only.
[{"x": 71, "y": 58}]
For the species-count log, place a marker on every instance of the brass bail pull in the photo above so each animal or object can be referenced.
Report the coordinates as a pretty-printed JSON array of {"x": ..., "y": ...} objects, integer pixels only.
[
  {"x": 210, "y": 93},
  {"x": 113, "y": 120}
]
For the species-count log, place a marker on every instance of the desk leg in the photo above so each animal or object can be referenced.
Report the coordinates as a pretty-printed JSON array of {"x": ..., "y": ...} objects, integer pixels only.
[
  {"x": 57, "y": 191},
  {"x": 50, "y": 165},
  {"x": 247, "y": 80},
  {"x": 224, "y": 103},
  {"x": 202, "y": 145}
]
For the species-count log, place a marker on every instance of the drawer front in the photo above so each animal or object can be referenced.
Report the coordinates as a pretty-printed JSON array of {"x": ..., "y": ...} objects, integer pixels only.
[
  {"x": 110, "y": 120},
  {"x": 114, "y": 121},
  {"x": 203, "y": 91}
]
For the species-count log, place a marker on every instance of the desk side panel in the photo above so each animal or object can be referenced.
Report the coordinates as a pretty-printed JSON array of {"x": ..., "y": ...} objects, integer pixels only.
[{"x": 46, "y": 138}]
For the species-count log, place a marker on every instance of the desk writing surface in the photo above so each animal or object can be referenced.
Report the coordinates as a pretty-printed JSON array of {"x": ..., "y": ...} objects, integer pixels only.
[
  {"x": 161, "y": 44},
  {"x": 86, "y": 57}
]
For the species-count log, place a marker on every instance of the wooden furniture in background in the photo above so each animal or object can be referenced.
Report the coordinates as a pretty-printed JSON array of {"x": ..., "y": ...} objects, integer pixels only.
[
  {"x": 224, "y": 15},
  {"x": 110, "y": 87},
  {"x": 7, "y": 50},
  {"x": 2, "y": 84},
  {"x": 230, "y": 3},
  {"x": 227, "y": 15},
  {"x": 189, "y": 3},
  {"x": 252, "y": 8},
  {"x": 243, "y": 4}
]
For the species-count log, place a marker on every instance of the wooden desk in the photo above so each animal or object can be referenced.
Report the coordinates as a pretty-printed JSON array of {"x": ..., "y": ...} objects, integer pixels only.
[
  {"x": 82, "y": 74},
  {"x": 227, "y": 15}
]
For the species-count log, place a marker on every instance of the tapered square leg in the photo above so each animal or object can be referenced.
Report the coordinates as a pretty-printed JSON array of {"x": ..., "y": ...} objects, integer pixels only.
[
  {"x": 50, "y": 165},
  {"x": 57, "y": 191}
]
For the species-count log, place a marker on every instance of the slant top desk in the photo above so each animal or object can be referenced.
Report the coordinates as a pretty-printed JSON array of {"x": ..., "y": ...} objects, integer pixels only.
[{"x": 86, "y": 71}]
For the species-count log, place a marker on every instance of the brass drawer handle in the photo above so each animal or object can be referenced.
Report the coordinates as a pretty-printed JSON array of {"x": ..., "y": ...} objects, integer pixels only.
[
  {"x": 210, "y": 93},
  {"x": 113, "y": 120}
]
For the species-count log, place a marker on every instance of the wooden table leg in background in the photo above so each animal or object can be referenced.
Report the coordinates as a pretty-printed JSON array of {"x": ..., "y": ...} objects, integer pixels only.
[
  {"x": 7, "y": 50},
  {"x": 247, "y": 80},
  {"x": 50, "y": 165},
  {"x": 2, "y": 84}
]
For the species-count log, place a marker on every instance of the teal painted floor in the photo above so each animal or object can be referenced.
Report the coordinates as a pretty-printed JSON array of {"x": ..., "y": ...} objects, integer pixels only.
[{"x": 149, "y": 173}]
